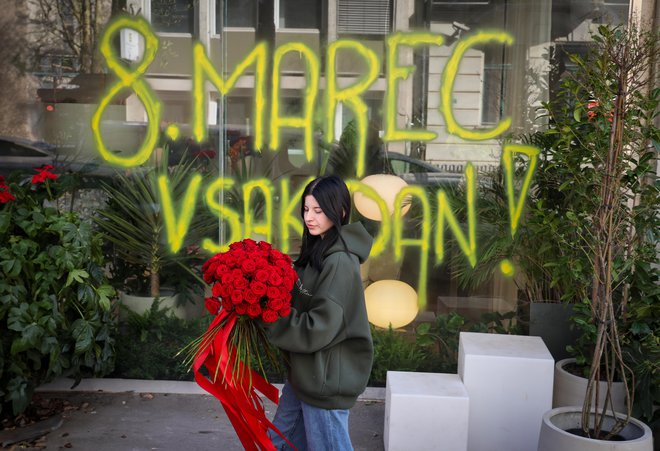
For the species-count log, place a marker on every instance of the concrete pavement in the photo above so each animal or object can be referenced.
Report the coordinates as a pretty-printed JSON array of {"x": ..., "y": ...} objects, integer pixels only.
[{"x": 133, "y": 415}]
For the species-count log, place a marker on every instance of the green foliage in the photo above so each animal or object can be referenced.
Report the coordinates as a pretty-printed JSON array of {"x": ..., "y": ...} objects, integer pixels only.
[
  {"x": 393, "y": 351},
  {"x": 133, "y": 224},
  {"x": 148, "y": 344},
  {"x": 54, "y": 297}
]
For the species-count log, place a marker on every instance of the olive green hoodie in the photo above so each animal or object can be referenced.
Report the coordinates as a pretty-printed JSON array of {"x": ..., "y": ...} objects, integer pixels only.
[{"x": 327, "y": 336}]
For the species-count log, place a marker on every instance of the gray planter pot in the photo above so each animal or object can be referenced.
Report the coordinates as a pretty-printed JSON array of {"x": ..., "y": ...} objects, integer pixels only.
[
  {"x": 556, "y": 422},
  {"x": 551, "y": 321},
  {"x": 569, "y": 389}
]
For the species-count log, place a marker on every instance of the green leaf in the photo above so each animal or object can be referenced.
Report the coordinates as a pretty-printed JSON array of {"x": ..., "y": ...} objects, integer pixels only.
[
  {"x": 105, "y": 292},
  {"x": 577, "y": 114},
  {"x": 78, "y": 275},
  {"x": 83, "y": 333}
]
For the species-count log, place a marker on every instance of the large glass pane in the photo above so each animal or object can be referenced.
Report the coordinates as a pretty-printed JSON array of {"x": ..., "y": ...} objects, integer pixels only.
[
  {"x": 173, "y": 16},
  {"x": 300, "y": 14}
]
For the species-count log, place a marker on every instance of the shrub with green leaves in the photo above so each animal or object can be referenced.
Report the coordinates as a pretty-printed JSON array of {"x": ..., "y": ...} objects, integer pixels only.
[{"x": 54, "y": 297}]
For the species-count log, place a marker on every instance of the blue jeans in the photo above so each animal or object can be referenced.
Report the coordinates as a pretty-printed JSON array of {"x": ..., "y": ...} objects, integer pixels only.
[{"x": 309, "y": 428}]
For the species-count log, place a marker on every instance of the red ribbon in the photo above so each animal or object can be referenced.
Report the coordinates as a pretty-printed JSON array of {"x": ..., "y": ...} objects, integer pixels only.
[{"x": 238, "y": 395}]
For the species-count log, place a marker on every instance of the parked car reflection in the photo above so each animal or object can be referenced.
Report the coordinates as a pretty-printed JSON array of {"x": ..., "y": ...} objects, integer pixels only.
[
  {"x": 23, "y": 155},
  {"x": 418, "y": 172}
]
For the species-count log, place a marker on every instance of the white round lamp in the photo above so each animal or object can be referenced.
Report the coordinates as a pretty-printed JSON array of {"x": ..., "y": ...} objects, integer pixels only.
[
  {"x": 391, "y": 302},
  {"x": 387, "y": 186}
]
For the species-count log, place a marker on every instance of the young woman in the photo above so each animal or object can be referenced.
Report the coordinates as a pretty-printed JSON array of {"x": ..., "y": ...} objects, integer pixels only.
[{"x": 327, "y": 338}]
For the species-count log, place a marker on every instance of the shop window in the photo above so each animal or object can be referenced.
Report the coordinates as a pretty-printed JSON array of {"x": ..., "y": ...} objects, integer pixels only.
[
  {"x": 237, "y": 13},
  {"x": 299, "y": 14},
  {"x": 173, "y": 16}
]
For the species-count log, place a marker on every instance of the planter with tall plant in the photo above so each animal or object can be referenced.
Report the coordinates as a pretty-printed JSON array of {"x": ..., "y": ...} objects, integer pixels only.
[
  {"x": 604, "y": 133},
  {"x": 142, "y": 262}
]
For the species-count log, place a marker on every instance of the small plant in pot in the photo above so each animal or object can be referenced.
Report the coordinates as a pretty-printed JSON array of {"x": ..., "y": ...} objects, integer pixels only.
[
  {"x": 134, "y": 225},
  {"x": 603, "y": 120}
]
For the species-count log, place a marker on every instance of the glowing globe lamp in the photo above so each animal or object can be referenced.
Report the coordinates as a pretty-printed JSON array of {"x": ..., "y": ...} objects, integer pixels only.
[
  {"x": 387, "y": 186},
  {"x": 391, "y": 302}
]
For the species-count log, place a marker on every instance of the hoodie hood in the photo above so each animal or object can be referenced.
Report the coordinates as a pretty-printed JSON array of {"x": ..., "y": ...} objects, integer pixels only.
[{"x": 357, "y": 240}]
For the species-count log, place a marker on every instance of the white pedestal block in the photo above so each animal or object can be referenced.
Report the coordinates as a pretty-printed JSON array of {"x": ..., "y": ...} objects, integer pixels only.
[
  {"x": 509, "y": 380},
  {"x": 425, "y": 411}
]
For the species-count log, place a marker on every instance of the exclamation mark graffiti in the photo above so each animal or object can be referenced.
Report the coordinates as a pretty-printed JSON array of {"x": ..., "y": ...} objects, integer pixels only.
[{"x": 516, "y": 205}]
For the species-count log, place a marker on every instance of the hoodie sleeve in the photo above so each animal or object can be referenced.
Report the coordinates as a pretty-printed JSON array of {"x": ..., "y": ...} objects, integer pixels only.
[{"x": 308, "y": 332}]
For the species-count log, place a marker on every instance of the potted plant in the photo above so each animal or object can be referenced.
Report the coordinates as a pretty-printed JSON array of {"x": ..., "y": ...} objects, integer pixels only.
[
  {"x": 55, "y": 298},
  {"x": 603, "y": 121},
  {"x": 143, "y": 265}
]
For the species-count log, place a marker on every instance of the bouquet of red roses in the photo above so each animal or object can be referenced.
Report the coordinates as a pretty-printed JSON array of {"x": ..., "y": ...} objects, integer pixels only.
[{"x": 250, "y": 282}]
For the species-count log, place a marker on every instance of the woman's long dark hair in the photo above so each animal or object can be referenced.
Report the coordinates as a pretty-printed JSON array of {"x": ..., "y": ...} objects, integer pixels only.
[{"x": 334, "y": 199}]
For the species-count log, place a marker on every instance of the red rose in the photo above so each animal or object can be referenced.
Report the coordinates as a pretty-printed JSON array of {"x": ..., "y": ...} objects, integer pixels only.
[
  {"x": 235, "y": 246},
  {"x": 241, "y": 308},
  {"x": 236, "y": 297},
  {"x": 269, "y": 316},
  {"x": 261, "y": 275},
  {"x": 258, "y": 288},
  {"x": 274, "y": 279},
  {"x": 276, "y": 255},
  {"x": 261, "y": 263},
  {"x": 248, "y": 266},
  {"x": 254, "y": 310},
  {"x": 288, "y": 282},
  {"x": 236, "y": 273},
  {"x": 212, "y": 305},
  {"x": 227, "y": 279},
  {"x": 227, "y": 305},
  {"x": 285, "y": 311},
  {"x": 217, "y": 289},
  {"x": 282, "y": 263},
  {"x": 221, "y": 270},
  {"x": 226, "y": 291},
  {"x": 285, "y": 294},
  {"x": 250, "y": 296},
  {"x": 241, "y": 283},
  {"x": 250, "y": 244},
  {"x": 275, "y": 304},
  {"x": 265, "y": 246},
  {"x": 273, "y": 293},
  {"x": 208, "y": 278}
]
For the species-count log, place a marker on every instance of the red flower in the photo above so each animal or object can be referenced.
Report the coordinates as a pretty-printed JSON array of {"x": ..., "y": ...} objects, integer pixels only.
[
  {"x": 269, "y": 316},
  {"x": 258, "y": 288},
  {"x": 250, "y": 296},
  {"x": 226, "y": 304},
  {"x": 254, "y": 310},
  {"x": 248, "y": 266},
  {"x": 241, "y": 309},
  {"x": 285, "y": 311},
  {"x": 275, "y": 304},
  {"x": 5, "y": 195},
  {"x": 43, "y": 173},
  {"x": 217, "y": 290},
  {"x": 273, "y": 293},
  {"x": 241, "y": 283},
  {"x": 212, "y": 305},
  {"x": 236, "y": 297},
  {"x": 261, "y": 275},
  {"x": 227, "y": 278},
  {"x": 274, "y": 279}
]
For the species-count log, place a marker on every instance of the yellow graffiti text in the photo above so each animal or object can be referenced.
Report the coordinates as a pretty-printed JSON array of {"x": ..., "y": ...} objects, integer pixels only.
[
  {"x": 447, "y": 86},
  {"x": 129, "y": 79},
  {"x": 350, "y": 95}
]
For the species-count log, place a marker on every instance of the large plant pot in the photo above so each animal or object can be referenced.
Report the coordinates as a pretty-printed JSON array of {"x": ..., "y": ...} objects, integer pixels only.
[
  {"x": 637, "y": 436},
  {"x": 569, "y": 389},
  {"x": 141, "y": 304},
  {"x": 552, "y": 322}
]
